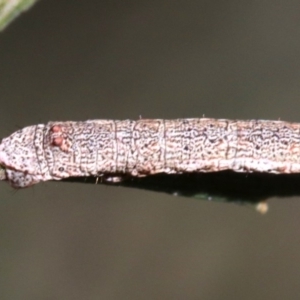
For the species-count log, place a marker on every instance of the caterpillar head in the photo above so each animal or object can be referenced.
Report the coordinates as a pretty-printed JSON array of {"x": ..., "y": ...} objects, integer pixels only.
[{"x": 18, "y": 158}]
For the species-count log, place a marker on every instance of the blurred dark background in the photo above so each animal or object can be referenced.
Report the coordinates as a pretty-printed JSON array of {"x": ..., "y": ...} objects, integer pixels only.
[{"x": 77, "y": 60}]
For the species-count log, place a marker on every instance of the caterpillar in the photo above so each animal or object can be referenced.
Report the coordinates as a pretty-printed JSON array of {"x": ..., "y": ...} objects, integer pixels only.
[{"x": 59, "y": 150}]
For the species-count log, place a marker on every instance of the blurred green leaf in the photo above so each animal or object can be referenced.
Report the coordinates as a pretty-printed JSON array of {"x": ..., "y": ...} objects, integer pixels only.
[{"x": 10, "y": 9}]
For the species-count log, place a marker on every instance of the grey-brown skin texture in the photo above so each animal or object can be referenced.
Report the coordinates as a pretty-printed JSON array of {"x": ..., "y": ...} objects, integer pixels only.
[{"x": 60, "y": 150}]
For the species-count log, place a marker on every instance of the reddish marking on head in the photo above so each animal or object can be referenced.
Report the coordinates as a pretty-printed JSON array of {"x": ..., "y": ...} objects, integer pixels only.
[
  {"x": 57, "y": 141},
  {"x": 56, "y": 128}
]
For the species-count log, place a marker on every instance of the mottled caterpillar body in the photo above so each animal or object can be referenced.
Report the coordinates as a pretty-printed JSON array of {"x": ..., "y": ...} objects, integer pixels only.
[{"x": 144, "y": 147}]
